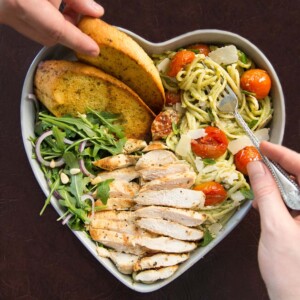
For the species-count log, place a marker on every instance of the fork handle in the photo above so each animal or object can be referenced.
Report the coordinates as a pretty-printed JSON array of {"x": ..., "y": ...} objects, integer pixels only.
[{"x": 289, "y": 189}]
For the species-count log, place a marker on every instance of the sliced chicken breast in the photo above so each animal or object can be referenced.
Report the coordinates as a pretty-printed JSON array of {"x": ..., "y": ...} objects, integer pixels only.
[
  {"x": 133, "y": 145},
  {"x": 159, "y": 260},
  {"x": 178, "y": 197},
  {"x": 116, "y": 204},
  {"x": 122, "y": 188},
  {"x": 150, "y": 276},
  {"x": 185, "y": 217},
  {"x": 153, "y": 173},
  {"x": 165, "y": 244},
  {"x": 115, "y": 225},
  {"x": 156, "y": 145},
  {"x": 178, "y": 180},
  {"x": 171, "y": 229},
  {"x": 155, "y": 158},
  {"x": 121, "y": 242},
  {"x": 111, "y": 163},
  {"x": 127, "y": 174},
  {"x": 123, "y": 261},
  {"x": 115, "y": 215}
]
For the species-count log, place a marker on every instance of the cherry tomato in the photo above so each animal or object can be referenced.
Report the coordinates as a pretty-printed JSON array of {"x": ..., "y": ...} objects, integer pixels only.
[
  {"x": 179, "y": 61},
  {"x": 172, "y": 98},
  {"x": 256, "y": 81},
  {"x": 244, "y": 156},
  {"x": 203, "y": 49},
  {"x": 213, "y": 145},
  {"x": 214, "y": 192},
  {"x": 162, "y": 124}
]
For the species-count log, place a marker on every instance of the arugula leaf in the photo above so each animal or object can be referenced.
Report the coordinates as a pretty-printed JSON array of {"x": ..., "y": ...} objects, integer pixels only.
[
  {"x": 59, "y": 137},
  {"x": 70, "y": 160},
  {"x": 252, "y": 123},
  {"x": 78, "y": 186},
  {"x": 208, "y": 161},
  {"x": 247, "y": 193},
  {"x": 103, "y": 190},
  {"x": 53, "y": 188},
  {"x": 207, "y": 238}
]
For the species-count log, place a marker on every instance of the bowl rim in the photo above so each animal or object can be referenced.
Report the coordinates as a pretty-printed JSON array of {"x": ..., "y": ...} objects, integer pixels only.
[{"x": 27, "y": 109}]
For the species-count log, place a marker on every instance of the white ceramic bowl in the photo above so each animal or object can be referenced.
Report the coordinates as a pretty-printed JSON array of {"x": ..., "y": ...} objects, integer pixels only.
[{"x": 204, "y": 36}]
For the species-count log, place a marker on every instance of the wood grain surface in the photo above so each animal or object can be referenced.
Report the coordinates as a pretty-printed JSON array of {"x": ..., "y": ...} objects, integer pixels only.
[{"x": 40, "y": 258}]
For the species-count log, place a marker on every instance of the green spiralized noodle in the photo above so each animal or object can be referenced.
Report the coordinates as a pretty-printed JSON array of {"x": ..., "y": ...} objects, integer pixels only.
[{"x": 202, "y": 84}]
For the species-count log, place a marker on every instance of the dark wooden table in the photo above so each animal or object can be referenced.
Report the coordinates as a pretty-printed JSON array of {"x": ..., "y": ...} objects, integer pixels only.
[{"x": 40, "y": 258}]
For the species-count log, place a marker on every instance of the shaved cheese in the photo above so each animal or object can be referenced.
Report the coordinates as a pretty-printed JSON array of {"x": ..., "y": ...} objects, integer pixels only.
[
  {"x": 199, "y": 164},
  {"x": 196, "y": 133},
  {"x": 236, "y": 145},
  {"x": 224, "y": 55},
  {"x": 237, "y": 196},
  {"x": 215, "y": 228},
  {"x": 163, "y": 65},
  {"x": 184, "y": 145}
]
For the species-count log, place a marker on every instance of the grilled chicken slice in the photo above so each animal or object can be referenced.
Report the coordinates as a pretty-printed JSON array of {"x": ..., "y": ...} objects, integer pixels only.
[
  {"x": 115, "y": 225},
  {"x": 164, "y": 244},
  {"x": 150, "y": 276},
  {"x": 159, "y": 260},
  {"x": 119, "y": 161},
  {"x": 185, "y": 217},
  {"x": 178, "y": 180},
  {"x": 133, "y": 145},
  {"x": 115, "y": 215},
  {"x": 153, "y": 173},
  {"x": 121, "y": 242},
  {"x": 178, "y": 197},
  {"x": 116, "y": 204},
  {"x": 156, "y": 145},
  {"x": 155, "y": 158},
  {"x": 127, "y": 174},
  {"x": 171, "y": 229},
  {"x": 123, "y": 261},
  {"x": 122, "y": 188}
]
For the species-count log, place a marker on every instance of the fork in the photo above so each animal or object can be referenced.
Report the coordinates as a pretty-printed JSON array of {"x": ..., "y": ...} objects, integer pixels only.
[{"x": 289, "y": 189}]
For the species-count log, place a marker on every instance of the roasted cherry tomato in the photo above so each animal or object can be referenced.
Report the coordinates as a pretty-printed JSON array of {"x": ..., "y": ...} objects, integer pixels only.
[
  {"x": 162, "y": 124},
  {"x": 244, "y": 156},
  {"x": 214, "y": 192},
  {"x": 213, "y": 145},
  {"x": 256, "y": 81},
  {"x": 179, "y": 61},
  {"x": 203, "y": 49},
  {"x": 172, "y": 98}
]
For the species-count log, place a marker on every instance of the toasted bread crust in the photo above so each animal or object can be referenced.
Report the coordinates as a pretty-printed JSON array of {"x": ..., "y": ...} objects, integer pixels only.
[
  {"x": 123, "y": 58},
  {"x": 66, "y": 87}
]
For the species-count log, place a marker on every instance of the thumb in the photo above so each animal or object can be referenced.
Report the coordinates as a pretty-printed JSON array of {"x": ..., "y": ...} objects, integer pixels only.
[{"x": 267, "y": 196}]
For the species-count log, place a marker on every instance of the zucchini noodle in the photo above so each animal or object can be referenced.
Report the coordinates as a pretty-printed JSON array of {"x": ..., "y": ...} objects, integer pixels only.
[{"x": 202, "y": 85}]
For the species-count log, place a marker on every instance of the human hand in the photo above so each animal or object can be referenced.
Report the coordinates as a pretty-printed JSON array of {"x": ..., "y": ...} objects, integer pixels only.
[
  {"x": 279, "y": 245},
  {"x": 41, "y": 21}
]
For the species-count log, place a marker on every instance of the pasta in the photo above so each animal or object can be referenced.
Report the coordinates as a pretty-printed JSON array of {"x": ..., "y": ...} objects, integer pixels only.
[{"x": 201, "y": 84}]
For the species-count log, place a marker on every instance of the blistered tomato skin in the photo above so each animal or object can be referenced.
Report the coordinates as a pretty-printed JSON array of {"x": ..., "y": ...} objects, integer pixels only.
[
  {"x": 256, "y": 81},
  {"x": 179, "y": 61},
  {"x": 162, "y": 124},
  {"x": 172, "y": 98},
  {"x": 214, "y": 192},
  {"x": 203, "y": 48},
  {"x": 244, "y": 156},
  {"x": 213, "y": 145}
]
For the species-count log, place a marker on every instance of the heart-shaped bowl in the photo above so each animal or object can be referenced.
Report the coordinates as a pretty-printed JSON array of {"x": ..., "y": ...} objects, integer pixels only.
[{"x": 209, "y": 36}]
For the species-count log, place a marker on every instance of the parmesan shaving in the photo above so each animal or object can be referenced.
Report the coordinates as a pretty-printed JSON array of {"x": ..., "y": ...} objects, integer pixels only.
[{"x": 184, "y": 145}]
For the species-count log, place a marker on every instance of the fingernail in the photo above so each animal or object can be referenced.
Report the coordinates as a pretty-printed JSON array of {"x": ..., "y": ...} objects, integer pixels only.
[
  {"x": 97, "y": 7},
  {"x": 256, "y": 168}
]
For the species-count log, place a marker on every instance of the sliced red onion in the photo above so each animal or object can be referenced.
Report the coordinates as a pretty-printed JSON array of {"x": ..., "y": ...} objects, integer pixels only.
[
  {"x": 89, "y": 197},
  {"x": 67, "y": 218},
  {"x": 82, "y": 167},
  {"x": 39, "y": 141},
  {"x": 67, "y": 141}
]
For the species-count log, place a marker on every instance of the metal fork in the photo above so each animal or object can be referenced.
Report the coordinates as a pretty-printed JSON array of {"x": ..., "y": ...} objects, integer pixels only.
[{"x": 289, "y": 189}]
